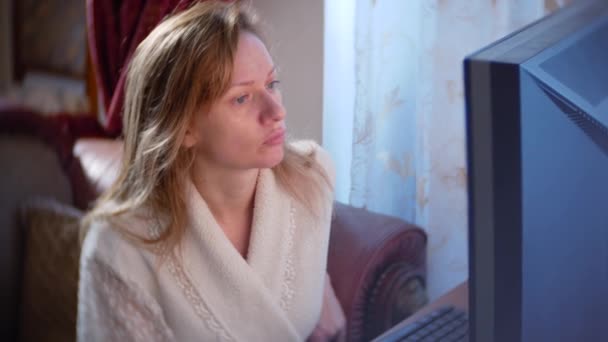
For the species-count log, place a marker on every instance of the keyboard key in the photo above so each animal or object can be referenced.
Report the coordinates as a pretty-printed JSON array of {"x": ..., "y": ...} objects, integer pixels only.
[{"x": 445, "y": 324}]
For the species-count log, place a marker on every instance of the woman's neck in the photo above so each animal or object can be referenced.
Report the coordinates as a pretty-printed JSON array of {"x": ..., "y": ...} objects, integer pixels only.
[{"x": 229, "y": 193}]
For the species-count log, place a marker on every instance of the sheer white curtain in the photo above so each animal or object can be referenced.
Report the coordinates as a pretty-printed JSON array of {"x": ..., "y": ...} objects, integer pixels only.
[{"x": 394, "y": 110}]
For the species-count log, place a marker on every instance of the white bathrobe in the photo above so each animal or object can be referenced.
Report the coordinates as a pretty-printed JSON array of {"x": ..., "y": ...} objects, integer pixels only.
[{"x": 213, "y": 294}]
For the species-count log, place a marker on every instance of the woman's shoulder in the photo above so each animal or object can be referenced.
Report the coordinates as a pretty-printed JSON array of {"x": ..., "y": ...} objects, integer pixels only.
[
  {"x": 309, "y": 147},
  {"x": 321, "y": 156},
  {"x": 106, "y": 244}
]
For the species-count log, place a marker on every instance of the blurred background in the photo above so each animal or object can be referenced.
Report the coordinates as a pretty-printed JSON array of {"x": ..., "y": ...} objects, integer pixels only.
[{"x": 43, "y": 61}]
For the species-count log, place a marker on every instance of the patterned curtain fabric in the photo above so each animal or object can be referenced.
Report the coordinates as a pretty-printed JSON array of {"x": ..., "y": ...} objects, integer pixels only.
[{"x": 408, "y": 143}]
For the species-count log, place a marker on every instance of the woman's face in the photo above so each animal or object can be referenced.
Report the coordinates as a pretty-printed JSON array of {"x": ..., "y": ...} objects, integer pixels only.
[{"x": 245, "y": 128}]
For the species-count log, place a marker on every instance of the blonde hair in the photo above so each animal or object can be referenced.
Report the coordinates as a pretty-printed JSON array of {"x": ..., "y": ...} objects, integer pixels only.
[{"x": 191, "y": 53}]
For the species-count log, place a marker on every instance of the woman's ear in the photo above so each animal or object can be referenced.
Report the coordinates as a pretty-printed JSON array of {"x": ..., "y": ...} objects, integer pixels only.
[{"x": 190, "y": 138}]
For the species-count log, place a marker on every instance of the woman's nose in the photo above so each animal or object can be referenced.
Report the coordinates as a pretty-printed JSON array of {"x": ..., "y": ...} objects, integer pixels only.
[{"x": 273, "y": 108}]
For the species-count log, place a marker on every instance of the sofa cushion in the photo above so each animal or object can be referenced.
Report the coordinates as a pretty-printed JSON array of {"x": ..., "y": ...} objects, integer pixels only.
[
  {"x": 50, "y": 273},
  {"x": 30, "y": 168}
]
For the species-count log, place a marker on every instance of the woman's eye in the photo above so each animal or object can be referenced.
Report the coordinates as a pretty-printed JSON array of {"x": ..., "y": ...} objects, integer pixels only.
[
  {"x": 242, "y": 99},
  {"x": 273, "y": 85}
]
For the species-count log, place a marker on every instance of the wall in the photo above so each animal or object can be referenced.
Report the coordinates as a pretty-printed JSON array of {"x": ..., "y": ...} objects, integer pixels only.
[
  {"x": 294, "y": 30},
  {"x": 339, "y": 89}
]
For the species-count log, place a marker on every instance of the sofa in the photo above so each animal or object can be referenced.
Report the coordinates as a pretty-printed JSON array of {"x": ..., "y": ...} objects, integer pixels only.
[{"x": 377, "y": 263}]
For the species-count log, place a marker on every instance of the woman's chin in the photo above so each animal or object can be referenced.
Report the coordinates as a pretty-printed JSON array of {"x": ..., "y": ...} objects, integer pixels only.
[{"x": 273, "y": 157}]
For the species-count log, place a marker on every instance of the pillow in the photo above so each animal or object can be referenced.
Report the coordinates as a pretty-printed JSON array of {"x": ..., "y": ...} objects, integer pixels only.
[{"x": 50, "y": 273}]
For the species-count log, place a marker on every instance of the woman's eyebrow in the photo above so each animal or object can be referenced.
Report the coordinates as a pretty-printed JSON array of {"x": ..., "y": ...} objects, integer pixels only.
[{"x": 245, "y": 83}]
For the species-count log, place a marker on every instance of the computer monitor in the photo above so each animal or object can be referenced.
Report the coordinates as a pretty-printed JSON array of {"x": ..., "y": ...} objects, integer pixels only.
[{"x": 537, "y": 143}]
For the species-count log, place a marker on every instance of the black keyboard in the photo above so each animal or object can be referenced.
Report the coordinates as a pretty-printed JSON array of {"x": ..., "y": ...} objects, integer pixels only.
[{"x": 446, "y": 324}]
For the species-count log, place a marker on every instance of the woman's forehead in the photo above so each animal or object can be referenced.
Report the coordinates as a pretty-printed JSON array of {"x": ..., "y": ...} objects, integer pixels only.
[{"x": 252, "y": 61}]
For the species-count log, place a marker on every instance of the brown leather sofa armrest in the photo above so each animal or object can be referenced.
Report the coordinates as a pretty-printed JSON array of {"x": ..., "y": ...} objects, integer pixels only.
[
  {"x": 364, "y": 246},
  {"x": 399, "y": 292}
]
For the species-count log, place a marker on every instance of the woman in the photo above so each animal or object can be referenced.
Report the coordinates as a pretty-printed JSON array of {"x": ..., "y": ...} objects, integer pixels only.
[{"x": 215, "y": 230}]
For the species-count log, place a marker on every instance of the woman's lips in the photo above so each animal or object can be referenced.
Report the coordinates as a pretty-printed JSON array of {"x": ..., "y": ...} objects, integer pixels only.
[{"x": 276, "y": 138}]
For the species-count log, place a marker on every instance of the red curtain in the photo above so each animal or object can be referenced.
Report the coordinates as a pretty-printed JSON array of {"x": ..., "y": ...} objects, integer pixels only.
[{"x": 115, "y": 28}]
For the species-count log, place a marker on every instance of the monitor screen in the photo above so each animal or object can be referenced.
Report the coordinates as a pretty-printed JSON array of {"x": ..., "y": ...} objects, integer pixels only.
[{"x": 537, "y": 126}]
